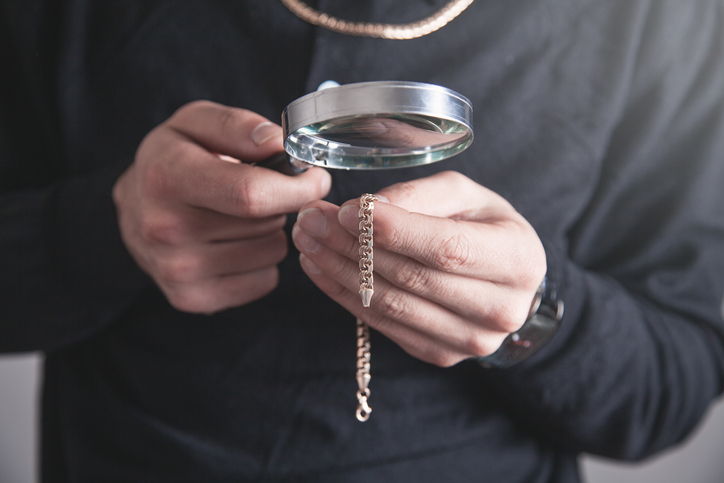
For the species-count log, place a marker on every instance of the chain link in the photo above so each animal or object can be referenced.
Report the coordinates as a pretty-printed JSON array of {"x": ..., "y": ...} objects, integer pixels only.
[
  {"x": 388, "y": 31},
  {"x": 363, "y": 370},
  {"x": 366, "y": 267},
  {"x": 366, "y": 290}
]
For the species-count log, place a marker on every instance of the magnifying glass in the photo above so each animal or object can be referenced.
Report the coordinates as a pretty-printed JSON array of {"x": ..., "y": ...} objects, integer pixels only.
[{"x": 373, "y": 125}]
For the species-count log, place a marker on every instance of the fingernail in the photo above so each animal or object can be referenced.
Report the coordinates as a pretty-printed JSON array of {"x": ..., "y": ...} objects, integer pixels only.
[
  {"x": 303, "y": 241},
  {"x": 349, "y": 217},
  {"x": 264, "y": 132},
  {"x": 313, "y": 221},
  {"x": 382, "y": 198},
  {"x": 228, "y": 159},
  {"x": 308, "y": 265},
  {"x": 326, "y": 182}
]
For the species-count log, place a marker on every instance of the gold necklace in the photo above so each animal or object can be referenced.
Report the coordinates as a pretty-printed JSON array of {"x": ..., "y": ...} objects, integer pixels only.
[{"x": 403, "y": 31}]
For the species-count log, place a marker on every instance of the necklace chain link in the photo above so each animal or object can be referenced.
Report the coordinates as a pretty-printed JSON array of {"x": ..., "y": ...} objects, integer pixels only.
[{"x": 388, "y": 31}]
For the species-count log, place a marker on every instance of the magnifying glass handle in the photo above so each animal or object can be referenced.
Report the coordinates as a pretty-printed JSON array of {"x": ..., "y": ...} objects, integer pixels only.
[{"x": 284, "y": 164}]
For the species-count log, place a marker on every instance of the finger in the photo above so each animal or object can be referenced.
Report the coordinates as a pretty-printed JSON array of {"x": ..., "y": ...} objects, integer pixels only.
[
  {"x": 447, "y": 194},
  {"x": 488, "y": 251},
  {"x": 412, "y": 341},
  {"x": 485, "y": 303},
  {"x": 218, "y": 227},
  {"x": 235, "y": 132},
  {"x": 395, "y": 303},
  {"x": 431, "y": 337},
  {"x": 188, "y": 173},
  {"x": 193, "y": 225},
  {"x": 219, "y": 293},
  {"x": 319, "y": 221},
  {"x": 469, "y": 297},
  {"x": 211, "y": 260}
]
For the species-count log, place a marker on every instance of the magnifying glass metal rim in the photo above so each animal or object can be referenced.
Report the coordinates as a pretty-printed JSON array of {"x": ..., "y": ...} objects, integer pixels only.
[{"x": 379, "y": 98}]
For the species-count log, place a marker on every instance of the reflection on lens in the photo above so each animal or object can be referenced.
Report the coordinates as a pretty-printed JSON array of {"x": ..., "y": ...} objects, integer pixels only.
[{"x": 378, "y": 141}]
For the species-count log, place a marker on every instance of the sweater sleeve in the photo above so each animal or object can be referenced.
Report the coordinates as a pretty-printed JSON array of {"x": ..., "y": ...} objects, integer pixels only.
[
  {"x": 64, "y": 269},
  {"x": 640, "y": 353}
]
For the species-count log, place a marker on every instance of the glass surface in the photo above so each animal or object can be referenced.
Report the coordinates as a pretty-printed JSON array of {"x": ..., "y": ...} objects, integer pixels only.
[
  {"x": 377, "y": 125},
  {"x": 378, "y": 141}
]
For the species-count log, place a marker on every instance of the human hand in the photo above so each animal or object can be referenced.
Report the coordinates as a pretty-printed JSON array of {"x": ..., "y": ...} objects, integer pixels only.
[
  {"x": 452, "y": 279},
  {"x": 209, "y": 231}
]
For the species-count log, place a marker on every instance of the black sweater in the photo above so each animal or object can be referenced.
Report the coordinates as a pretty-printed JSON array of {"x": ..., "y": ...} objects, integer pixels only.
[{"x": 601, "y": 122}]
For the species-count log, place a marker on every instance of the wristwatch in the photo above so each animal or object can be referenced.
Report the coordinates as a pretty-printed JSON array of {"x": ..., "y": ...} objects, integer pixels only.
[{"x": 543, "y": 321}]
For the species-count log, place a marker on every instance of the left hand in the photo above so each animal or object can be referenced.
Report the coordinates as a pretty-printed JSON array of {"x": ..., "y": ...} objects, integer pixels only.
[{"x": 452, "y": 278}]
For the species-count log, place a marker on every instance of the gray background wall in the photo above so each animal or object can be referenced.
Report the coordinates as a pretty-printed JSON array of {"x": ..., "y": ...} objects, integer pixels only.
[{"x": 699, "y": 460}]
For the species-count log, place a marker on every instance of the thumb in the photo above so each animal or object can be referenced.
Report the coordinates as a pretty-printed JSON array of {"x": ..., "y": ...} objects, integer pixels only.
[{"x": 229, "y": 131}]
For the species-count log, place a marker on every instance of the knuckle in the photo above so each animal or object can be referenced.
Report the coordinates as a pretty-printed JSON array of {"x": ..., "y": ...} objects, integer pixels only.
[
  {"x": 161, "y": 231},
  {"x": 188, "y": 111},
  {"x": 453, "y": 253},
  {"x": 230, "y": 119},
  {"x": 442, "y": 359},
  {"x": 264, "y": 283},
  {"x": 405, "y": 191},
  {"x": 453, "y": 177},
  {"x": 526, "y": 257},
  {"x": 536, "y": 267},
  {"x": 178, "y": 269},
  {"x": 279, "y": 246},
  {"x": 337, "y": 292},
  {"x": 341, "y": 271},
  {"x": 394, "y": 304},
  {"x": 253, "y": 286},
  {"x": 478, "y": 346},
  {"x": 270, "y": 250},
  {"x": 155, "y": 180},
  {"x": 189, "y": 299},
  {"x": 191, "y": 107},
  {"x": 488, "y": 346},
  {"x": 395, "y": 240},
  {"x": 532, "y": 276},
  {"x": 413, "y": 277},
  {"x": 250, "y": 197},
  {"x": 508, "y": 318}
]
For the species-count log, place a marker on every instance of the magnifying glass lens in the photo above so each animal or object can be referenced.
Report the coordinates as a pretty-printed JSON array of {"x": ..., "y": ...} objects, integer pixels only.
[
  {"x": 377, "y": 125},
  {"x": 378, "y": 141}
]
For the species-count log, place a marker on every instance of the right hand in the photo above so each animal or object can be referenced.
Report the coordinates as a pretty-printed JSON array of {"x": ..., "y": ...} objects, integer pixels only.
[{"x": 209, "y": 231}]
